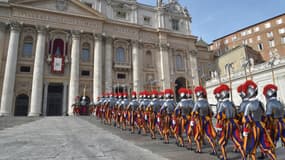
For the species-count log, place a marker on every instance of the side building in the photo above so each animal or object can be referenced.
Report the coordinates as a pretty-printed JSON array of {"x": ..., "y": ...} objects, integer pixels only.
[
  {"x": 55, "y": 50},
  {"x": 267, "y": 37}
]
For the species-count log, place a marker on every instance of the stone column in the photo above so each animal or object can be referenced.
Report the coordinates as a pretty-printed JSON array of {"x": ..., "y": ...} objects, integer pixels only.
[
  {"x": 164, "y": 60},
  {"x": 2, "y": 41},
  {"x": 64, "y": 99},
  {"x": 74, "y": 71},
  {"x": 194, "y": 67},
  {"x": 97, "y": 75},
  {"x": 136, "y": 66},
  {"x": 108, "y": 65},
  {"x": 37, "y": 85},
  {"x": 10, "y": 71},
  {"x": 45, "y": 99}
]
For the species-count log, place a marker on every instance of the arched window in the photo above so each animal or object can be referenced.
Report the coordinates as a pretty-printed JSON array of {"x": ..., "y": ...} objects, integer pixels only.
[
  {"x": 85, "y": 55},
  {"x": 21, "y": 105},
  {"x": 179, "y": 62},
  {"x": 120, "y": 55},
  {"x": 58, "y": 47},
  {"x": 148, "y": 59},
  {"x": 28, "y": 47}
]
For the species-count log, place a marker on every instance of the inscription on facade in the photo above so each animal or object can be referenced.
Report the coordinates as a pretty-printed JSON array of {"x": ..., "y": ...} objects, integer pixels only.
[
  {"x": 121, "y": 31},
  {"x": 55, "y": 18}
]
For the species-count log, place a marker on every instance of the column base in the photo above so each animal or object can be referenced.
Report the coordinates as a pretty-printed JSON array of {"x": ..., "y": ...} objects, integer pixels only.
[
  {"x": 33, "y": 114},
  {"x": 5, "y": 114}
]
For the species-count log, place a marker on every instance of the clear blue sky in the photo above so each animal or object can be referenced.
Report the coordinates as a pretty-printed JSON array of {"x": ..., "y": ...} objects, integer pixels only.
[{"x": 212, "y": 19}]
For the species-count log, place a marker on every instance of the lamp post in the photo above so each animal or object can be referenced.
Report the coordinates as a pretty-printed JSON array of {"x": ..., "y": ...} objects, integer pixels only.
[{"x": 228, "y": 68}]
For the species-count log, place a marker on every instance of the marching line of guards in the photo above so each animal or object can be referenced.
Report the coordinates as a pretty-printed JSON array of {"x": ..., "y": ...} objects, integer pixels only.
[{"x": 249, "y": 126}]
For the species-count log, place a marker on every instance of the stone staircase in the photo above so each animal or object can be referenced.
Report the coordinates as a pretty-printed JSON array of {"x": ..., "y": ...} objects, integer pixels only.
[{"x": 10, "y": 121}]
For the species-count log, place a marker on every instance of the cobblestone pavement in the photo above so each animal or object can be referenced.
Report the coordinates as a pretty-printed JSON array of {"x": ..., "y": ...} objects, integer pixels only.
[
  {"x": 66, "y": 138},
  {"x": 171, "y": 151},
  {"x": 82, "y": 138}
]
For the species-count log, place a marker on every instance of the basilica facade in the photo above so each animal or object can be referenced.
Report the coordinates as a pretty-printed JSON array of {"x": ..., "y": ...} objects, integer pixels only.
[{"x": 55, "y": 50}]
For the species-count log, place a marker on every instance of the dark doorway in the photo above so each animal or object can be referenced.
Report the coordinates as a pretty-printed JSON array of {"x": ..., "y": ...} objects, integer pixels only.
[
  {"x": 21, "y": 105},
  {"x": 54, "y": 99},
  {"x": 179, "y": 83},
  {"x": 120, "y": 89}
]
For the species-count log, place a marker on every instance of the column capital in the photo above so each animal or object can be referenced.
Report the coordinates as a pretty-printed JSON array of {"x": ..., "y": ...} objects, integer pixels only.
[
  {"x": 193, "y": 52},
  {"x": 15, "y": 26},
  {"x": 109, "y": 39},
  {"x": 164, "y": 46},
  {"x": 75, "y": 34},
  {"x": 98, "y": 36},
  {"x": 41, "y": 29}
]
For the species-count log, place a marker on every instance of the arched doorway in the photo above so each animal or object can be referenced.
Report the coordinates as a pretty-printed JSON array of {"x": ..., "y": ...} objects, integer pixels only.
[
  {"x": 179, "y": 83},
  {"x": 21, "y": 105}
]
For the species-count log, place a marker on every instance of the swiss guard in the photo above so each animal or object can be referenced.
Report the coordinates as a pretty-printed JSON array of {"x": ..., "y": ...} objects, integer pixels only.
[
  {"x": 182, "y": 110},
  {"x": 227, "y": 123},
  {"x": 275, "y": 114},
  {"x": 186, "y": 113},
  {"x": 254, "y": 132},
  {"x": 159, "y": 117},
  {"x": 202, "y": 119},
  {"x": 124, "y": 108},
  {"x": 153, "y": 108},
  {"x": 132, "y": 107},
  {"x": 166, "y": 111}
]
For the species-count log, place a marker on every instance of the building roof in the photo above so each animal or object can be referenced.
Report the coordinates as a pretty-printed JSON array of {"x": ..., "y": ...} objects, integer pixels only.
[{"x": 250, "y": 26}]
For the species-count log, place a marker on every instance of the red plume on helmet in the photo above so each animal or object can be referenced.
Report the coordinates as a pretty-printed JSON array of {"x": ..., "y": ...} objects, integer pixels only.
[
  {"x": 168, "y": 91},
  {"x": 154, "y": 92},
  {"x": 189, "y": 91},
  {"x": 182, "y": 90},
  {"x": 161, "y": 93},
  {"x": 249, "y": 83},
  {"x": 224, "y": 87},
  {"x": 240, "y": 88},
  {"x": 217, "y": 90},
  {"x": 269, "y": 87},
  {"x": 200, "y": 89},
  {"x": 134, "y": 93}
]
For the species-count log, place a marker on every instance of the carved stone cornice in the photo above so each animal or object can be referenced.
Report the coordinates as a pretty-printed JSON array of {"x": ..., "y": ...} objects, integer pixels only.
[{"x": 164, "y": 46}]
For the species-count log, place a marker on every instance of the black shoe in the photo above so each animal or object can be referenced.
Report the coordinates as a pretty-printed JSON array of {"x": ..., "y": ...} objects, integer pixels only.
[
  {"x": 213, "y": 153},
  {"x": 261, "y": 156}
]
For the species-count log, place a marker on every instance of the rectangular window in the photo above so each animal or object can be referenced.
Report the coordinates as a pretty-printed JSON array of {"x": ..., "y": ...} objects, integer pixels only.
[
  {"x": 271, "y": 43},
  {"x": 175, "y": 24},
  {"x": 88, "y": 4},
  {"x": 244, "y": 41},
  {"x": 121, "y": 14},
  {"x": 283, "y": 40},
  {"x": 267, "y": 25},
  {"x": 25, "y": 69},
  {"x": 146, "y": 20},
  {"x": 243, "y": 33},
  {"x": 28, "y": 49},
  {"x": 279, "y": 21},
  {"x": 281, "y": 30},
  {"x": 258, "y": 38},
  {"x": 85, "y": 54},
  {"x": 260, "y": 46},
  {"x": 234, "y": 38},
  {"x": 256, "y": 29},
  {"x": 121, "y": 76},
  {"x": 250, "y": 40},
  {"x": 85, "y": 73},
  {"x": 249, "y": 31},
  {"x": 269, "y": 34},
  {"x": 226, "y": 41}
]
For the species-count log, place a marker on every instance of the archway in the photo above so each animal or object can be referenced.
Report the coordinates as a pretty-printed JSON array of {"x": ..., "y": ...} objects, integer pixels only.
[
  {"x": 21, "y": 105},
  {"x": 179, "y": 83}
]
